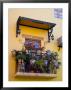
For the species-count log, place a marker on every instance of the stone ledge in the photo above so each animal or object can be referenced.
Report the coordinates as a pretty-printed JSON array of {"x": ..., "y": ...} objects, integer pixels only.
[{"x": 35, "y": 74}]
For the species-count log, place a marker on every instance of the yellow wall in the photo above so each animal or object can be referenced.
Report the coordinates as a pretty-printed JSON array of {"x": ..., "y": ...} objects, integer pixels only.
[{"x": 16, "y": 43}]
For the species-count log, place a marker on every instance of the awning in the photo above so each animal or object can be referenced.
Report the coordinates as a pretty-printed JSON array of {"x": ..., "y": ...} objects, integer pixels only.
[{"x": 34, "y": 23}]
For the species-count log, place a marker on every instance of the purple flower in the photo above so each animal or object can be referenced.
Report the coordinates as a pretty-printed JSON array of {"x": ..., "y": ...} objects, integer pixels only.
[
  {"x": 55, "y": 63},
  {"x": 46, "y": 62}
]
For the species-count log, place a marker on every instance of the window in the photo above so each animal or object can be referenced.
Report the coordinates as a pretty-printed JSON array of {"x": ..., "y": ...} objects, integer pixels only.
[
  {"x": 32, "y": 43},
  {"x": 58, "y": 13}
]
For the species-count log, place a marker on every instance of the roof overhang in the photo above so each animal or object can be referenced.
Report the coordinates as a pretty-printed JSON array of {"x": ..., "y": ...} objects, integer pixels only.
[{"x": 24, "y": 21}]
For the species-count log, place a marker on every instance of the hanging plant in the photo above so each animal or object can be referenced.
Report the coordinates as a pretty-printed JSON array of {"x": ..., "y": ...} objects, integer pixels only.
[{"x": 21, "y": 56}]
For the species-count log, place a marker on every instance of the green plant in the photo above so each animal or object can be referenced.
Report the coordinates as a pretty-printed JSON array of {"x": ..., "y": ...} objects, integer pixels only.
[
  {"x": 49, "y": 63},
  {"x": 53, "y": 63},
  {"x": 21, "y": 56}
]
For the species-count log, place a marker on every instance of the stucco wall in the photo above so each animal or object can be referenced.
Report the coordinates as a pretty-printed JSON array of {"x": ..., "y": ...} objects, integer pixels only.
[{"x": 16, "y": 43}]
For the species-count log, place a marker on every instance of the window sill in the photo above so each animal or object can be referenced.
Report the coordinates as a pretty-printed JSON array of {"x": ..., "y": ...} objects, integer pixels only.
[{"x": 35, "y": 74}]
